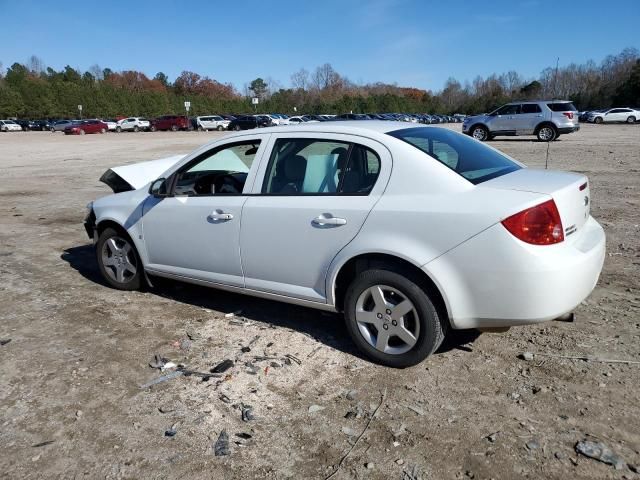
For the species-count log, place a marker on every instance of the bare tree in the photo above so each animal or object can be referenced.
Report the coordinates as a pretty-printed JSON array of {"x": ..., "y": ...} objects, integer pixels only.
[
  {"x": 96, "y": 71},
  {"x": 325, "y": 77},
  {"x": 300, "y": 80},
  {"x": 35, "y": 65}
]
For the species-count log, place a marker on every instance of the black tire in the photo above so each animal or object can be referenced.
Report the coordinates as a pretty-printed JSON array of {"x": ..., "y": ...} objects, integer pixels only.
[
  {"x": 431, "y": 327},
  {"x": 136, "y": 129},
  {"x": 131, "y": 281},
  {"x": 118, "y": 129},
  {"x": 200, "y": 129},
  {"x": 102, "y": 130},
  {"x": 237, "y": 128},
  {"x": 174, "y": 128},
  {"x": 52, "y": 130},
  {"x": 597, "y": 120},
  {"x": 631, "y": 119},
  {"x": 547, "y": 133},
  {"x": 153, "y": 128},
  {"x": 480, "y": 132},
  {"x": 220, "y": 128}
]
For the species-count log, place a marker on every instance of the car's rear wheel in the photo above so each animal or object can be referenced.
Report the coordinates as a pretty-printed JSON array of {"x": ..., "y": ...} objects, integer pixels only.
[
  {"x": 220, "y": 128},
  {"x": 136, "y": 129},
  {"x": 52, "y": 130},
  {"x": 82, "y": 132},
  {"x": 392, "y": 319},
  {"x": 546, "y": 133},
  {"x": 118, "y": 260},
  {"x": 480, "y": 132},
  {"x": 102, "y": 130},
  {"x": 631, "y": 119},
  {"x": 118, "y": 129},
  {"x": 598, "y": 120},
  {"x": 237, "y": 128},
  {"x": 174, "y": 128}
]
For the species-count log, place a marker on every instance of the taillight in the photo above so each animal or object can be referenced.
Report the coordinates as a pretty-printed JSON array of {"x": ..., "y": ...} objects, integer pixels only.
[
  {"x": 539, "y": 225},
  {"x": 569, "y": 115}
]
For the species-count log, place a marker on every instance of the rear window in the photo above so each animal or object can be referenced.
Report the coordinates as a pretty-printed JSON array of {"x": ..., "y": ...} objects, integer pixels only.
[
  {"x": 562, "y": 107},
  {"x": 467, "y": 157}
]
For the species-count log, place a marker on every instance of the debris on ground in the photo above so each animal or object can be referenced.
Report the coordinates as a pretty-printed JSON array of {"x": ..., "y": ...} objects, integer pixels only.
[
  {"x": 164, "y": 378},
  {"x": 599, "y": 451},
  {"x": 221, "y": 447},
  {"x": 43, "y": 444},
  {"x": 247, "y": 413},
  {"x": 4, "y": 341},
  {"x": 533, "y": 445},
  {"x": 492, "y": 438},
  {"x": 315, "y": 408},
  {"x": 158, "y": 361},
  {"x": 528, "y": 356},
  {"x": 171, "y": 432},
  {"x": 222, "y": 366}
]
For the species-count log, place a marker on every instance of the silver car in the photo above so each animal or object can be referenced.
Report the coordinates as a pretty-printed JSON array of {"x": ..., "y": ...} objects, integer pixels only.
[{"x": 546, "y": 119}]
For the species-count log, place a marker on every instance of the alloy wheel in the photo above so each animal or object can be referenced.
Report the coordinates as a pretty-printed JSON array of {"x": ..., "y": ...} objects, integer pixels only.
[
  {"x": 387, "y": 319},
  {"x": 546, "y": 134},
  {"x": 119, "y": 260},
  {"x": 479, "y": 134}
]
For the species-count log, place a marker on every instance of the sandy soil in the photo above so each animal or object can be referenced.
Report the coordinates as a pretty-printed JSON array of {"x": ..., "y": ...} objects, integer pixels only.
[{"x": 69, "y": 383}]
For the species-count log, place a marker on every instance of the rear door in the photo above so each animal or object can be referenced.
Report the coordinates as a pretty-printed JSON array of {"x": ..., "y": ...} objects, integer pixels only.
[
  {"x": 312, "y": 195},
  {"x": 529, "y": 117}
]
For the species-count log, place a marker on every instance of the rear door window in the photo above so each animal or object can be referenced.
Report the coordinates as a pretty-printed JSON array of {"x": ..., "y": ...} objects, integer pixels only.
[
  {"x": 320, "y": 167},
  {"x": 531, "y": 108}
]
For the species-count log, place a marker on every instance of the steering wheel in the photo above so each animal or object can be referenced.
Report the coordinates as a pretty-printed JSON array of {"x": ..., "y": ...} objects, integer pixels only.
[{"x": 228, "y": 184}]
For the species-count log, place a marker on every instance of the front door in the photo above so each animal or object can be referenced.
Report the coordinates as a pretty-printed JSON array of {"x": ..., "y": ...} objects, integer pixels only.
[
  {"x": 311, "y": 198},
  {"x": 195, "y": 231},
  {"x": 504, "y": 120}
]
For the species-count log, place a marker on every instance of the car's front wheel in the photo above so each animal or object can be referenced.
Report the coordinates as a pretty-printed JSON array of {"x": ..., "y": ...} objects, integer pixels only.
[
  {"x": 598, "y": 120},
  {"x": 480, "y": 133},
  {"x": 237, "y": 128},
  {"x": 118, "y": 260},
  {"x": 631, "y": 119},
  {"x": 392, "y": 319},
  {"x": 220, "y": 128},
  {"x": 136, "y": 129},
  {"x": 118, "y": 129}
]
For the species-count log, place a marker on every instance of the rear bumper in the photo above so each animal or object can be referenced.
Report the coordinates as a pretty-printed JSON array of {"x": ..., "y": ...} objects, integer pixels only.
[
  {"x": 495, "y": 280},
  {"x": 564, "y": 130}
]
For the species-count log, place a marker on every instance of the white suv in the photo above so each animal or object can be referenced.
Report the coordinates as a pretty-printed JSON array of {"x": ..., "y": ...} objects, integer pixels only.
[
  {"x": 406, "y": 229},
  {"x": 614, "y": 115},
  {"x": 132, "y": 124},
  {"x": 211, "y": 122}
]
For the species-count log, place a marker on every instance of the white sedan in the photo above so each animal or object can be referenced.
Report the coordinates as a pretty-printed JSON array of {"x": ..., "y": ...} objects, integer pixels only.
[
  {"x": 9, "y": 126},
  {"x": 615, "y": 115},
  {"x": 408, "y": 230}
]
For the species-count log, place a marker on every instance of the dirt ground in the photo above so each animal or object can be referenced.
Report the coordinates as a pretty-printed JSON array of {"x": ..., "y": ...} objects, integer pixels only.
[{"x": 70, "y": 395}]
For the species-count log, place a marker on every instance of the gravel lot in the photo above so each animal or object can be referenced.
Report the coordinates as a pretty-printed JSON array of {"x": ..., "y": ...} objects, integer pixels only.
[{"x": 70, "y": 395}]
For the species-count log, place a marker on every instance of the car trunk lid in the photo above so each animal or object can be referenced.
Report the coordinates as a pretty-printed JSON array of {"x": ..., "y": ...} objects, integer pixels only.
[{"x": 570, "y": 191}]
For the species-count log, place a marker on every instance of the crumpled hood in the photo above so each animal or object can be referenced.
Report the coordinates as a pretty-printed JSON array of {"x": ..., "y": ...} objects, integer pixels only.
[{"x": 137, "y": 175}]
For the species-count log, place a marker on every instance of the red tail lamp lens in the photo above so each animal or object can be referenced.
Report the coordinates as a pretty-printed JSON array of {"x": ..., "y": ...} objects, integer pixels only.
[{"x": 539, "y": 225}]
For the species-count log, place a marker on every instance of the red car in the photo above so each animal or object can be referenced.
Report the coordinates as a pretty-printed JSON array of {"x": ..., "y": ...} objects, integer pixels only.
[
  {"x": 86, "y": 126},
  {"x": 171, "y": 122}
]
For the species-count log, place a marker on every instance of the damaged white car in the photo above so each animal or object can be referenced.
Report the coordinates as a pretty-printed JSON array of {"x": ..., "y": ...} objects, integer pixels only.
[{"x": 408, "y": 230}]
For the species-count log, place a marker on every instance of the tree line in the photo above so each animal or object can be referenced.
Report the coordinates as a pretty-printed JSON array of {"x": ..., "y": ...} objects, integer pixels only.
[{"x": 32, "y": 90}]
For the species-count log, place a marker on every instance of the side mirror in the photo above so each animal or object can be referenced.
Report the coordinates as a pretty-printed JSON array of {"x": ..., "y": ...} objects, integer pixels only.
[{"x": 159, "y": 188}]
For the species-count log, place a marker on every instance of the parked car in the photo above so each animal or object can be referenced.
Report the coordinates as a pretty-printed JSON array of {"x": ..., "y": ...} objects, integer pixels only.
[
  {"x": 112, "y": 125},
  {"x": 358, "y": 217},
  {"x": 41, "y": 125},
  {"x": 9, "y": 126},
  {"x": 210, "y": 122},
  {"x": 27, "y": 125},
  {"x": 545, "y": 119},
  {"x": 297, "y": 119},
  {"x": 247, "y": 122},
  {"x": 133, "y": 124},
  {"x": 615, "y": 115},
  {"x": 171, "y": 122},
  {"x": 82, "y": 127},
  {"x": 228, "y": 117},
  {"x": 61, "y": 125}
]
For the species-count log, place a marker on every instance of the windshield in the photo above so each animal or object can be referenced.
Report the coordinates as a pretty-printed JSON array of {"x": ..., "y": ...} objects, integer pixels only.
[{"x": 465, "y": 156}]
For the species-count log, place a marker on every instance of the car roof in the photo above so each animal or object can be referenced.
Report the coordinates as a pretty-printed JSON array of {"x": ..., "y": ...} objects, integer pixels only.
[{"x": 354, "y": 127}]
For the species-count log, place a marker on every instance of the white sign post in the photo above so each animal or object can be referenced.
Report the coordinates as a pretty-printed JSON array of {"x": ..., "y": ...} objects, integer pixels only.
[
  {"x": 255, "y": 101},
  {"x": 80, "y": 110},
  {"x": 187, "y": 106}
]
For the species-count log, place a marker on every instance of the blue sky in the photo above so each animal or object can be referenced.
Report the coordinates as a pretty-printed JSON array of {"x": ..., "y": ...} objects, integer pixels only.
[{"x": 416, "y": 43}]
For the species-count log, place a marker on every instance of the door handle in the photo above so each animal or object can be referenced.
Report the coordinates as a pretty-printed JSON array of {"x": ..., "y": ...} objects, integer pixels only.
[
  {"x": 219, "y": 215},
  {"x": 328, "y": 220}
]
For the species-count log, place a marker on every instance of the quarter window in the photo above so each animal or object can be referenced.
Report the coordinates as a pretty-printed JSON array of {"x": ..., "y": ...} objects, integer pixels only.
[{"x": 320, "y": 167}]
